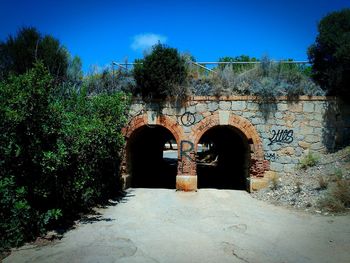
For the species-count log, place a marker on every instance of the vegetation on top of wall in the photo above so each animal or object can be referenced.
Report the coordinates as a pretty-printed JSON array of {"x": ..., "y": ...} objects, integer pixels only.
[
  {"x": 161, "y": 73},
  {"x": 109, "y": 81},
  {"x": 266, "y": 79},
  {"x": 238, "y": 67}
]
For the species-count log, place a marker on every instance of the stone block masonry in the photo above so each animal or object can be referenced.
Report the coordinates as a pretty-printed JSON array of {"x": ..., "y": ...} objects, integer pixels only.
[{"x": 278, "y": 134}]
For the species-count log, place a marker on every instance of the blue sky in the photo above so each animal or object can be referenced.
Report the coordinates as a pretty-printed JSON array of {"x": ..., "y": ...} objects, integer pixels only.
[{"x": 102, "y": 31}]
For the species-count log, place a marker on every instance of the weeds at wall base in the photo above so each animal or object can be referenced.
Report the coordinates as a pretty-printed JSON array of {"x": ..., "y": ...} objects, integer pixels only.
[
  {"x": 309, "y": 160},
  {"x": 337, "y": 198},
  {"x": 274, "y": 182},
  {"x": 322, "y": 182}
]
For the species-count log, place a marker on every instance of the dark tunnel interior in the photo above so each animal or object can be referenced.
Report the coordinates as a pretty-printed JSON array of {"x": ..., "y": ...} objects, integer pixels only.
[
  {"x": 147, "y": 166},
  {"x": 223, "y": 159}
]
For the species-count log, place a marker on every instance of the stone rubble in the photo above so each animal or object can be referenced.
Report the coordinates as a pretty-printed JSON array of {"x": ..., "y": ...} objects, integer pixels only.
[{"x": 301, "y": 190}]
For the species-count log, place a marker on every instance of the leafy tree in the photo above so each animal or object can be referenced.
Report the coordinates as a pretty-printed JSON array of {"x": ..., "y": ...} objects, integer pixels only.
[
  {"x": 26, "y": 130},
  {"x": 59, "y": 155},
  {"x": 86, "y": 156},
  {"x": 19, "y": 53},
  {"x": 330, "y": 54},
  {"x": 160, "y": 72}
]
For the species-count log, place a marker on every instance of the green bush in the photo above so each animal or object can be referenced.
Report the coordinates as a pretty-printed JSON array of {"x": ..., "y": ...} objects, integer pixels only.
[
  {"x": 15, "y": 212},
  {"x": 25, "y": 132},
  {"x": 160, "y": 72},
  {"x": 86, "y": 157},
  {"x": 59, "y": 155},
  {"x": 309, "y": 160}
]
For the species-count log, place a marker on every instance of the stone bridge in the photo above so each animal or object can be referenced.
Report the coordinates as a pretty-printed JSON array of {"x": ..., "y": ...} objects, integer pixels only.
[{"x": 249, "y": 140}]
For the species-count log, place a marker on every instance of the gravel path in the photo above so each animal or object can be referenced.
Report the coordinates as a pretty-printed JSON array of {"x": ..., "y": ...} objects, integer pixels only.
[{"x": 158, "y": 225}]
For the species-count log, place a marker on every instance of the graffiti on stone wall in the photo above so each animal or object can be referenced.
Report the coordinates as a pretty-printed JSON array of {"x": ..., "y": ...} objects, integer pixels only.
[
  {"x": 187, "y": 156},
  {"x": 271, "y": 156},
  {"x": 188, "y": 119},
  {"x": 281, "y": 136},
  {"x": 185, "y": 151}
]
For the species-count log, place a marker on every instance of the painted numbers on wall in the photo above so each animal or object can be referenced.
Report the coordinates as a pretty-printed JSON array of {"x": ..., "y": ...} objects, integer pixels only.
[{"x": 281, "y": 136}]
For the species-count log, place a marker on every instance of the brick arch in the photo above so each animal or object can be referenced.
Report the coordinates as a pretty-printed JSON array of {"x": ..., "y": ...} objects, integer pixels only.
[
  {"x": 236, "y": 121},
  {"x": 136, "y": 123},
  {"x": 164, "y": 121}
]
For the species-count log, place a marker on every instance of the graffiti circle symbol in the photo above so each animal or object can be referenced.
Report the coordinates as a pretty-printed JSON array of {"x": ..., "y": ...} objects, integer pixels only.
[{"x": 188, "y": 119}]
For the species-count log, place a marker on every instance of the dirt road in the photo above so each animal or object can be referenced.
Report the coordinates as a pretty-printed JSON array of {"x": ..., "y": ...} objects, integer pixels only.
[{"x": 158, "y": 225}]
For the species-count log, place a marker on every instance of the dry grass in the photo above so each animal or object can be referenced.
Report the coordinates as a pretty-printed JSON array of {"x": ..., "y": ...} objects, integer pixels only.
[
  {"x": 274, "y": 182},
  {"x": 322, "y": 182},
  {"x": 331, "y": 204},
  {"x": 338, "y": 197},
  {"x": 341, "y": 191}
]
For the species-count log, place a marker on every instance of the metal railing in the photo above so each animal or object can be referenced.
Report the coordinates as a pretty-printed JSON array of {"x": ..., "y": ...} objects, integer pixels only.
[{"x": 204, "y": 64}]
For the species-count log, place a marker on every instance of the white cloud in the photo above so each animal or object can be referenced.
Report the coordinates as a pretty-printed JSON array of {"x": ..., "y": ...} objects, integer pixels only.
[{"x": 145, "y": 41}]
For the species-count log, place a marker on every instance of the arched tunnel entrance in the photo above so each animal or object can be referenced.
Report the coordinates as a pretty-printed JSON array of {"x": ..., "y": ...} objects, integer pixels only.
[
  {"x": 152, "y": 157},
  {"x": 223, "y": 158}
]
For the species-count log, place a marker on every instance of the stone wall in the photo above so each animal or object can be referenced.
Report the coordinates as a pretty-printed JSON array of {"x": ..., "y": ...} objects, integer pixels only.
[{"x": 280, "y": 132}]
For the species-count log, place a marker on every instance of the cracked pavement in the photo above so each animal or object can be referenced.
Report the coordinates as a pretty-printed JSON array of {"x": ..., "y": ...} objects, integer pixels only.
[{"x": 162, "y": 225}]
